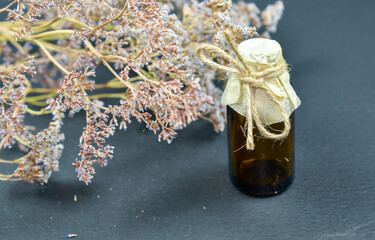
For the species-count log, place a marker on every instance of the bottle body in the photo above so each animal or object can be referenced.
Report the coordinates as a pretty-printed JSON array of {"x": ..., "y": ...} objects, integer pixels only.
[{"x": 269, "y": 168}]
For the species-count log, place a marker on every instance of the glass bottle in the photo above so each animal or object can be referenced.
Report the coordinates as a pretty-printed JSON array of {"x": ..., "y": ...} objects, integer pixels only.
[{"x": 269, "y": 168}]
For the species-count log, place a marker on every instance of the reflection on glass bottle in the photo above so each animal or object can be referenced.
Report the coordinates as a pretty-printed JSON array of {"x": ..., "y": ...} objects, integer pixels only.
[{"x": 269, "y": 168}]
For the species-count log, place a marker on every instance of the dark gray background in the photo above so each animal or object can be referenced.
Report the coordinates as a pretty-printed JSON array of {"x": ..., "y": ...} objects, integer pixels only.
[{"x": 182, "y": 190}]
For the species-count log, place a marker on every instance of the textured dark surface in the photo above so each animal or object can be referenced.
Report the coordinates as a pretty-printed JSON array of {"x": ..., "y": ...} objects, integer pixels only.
[{"x": 182, "y": 190}]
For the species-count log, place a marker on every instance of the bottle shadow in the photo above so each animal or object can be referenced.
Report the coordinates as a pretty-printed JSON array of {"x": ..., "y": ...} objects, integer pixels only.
[{"x": 189, "y": 194}]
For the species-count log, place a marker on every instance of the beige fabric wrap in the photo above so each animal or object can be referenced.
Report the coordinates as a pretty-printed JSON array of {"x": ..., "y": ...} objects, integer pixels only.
[{"x": 262, "y": 53}]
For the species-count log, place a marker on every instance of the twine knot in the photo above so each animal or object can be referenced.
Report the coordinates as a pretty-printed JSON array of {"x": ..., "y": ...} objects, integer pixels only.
[
  {"x": 253, "y": 82},
  {"x": 253, "y": 78}
]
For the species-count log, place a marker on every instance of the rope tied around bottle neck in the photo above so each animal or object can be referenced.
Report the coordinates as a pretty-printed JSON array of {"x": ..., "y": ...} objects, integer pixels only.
[{"x": 253, "y": 79}]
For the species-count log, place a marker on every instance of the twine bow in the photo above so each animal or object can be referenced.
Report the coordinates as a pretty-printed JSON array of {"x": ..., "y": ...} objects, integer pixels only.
[{"x": 252, "y": 79}]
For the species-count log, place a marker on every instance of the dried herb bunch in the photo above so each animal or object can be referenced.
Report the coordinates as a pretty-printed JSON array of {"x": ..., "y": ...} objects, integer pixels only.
[{"x": 50, "y": 50}]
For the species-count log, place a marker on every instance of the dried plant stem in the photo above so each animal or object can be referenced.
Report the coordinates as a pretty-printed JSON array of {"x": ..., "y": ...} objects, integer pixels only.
[
  {"x": 17, "y": 161},
  {"x": 9, "y": 36},
  {"x": 9, "y": 161},
  {"x": 145, "y": 78},
  {"x": 55, "y": 47},
  {"x": 109, "y": 84},
  {"x": 7, "y": 7},
  {"x": 9, "y": 178},
  {"x": 53, "y": 60},
  {"x": 55, "y": 33},
  {"x": 38, "y": 113},
  {"x": 100, "y": 56},
  {"x": 78, "y": 22},
  {"x": 107, "y": 95},
  {"x": 45, "y": 26},
  {"x": 57, "y": 64},
  {"x": 113, "y": 19}
]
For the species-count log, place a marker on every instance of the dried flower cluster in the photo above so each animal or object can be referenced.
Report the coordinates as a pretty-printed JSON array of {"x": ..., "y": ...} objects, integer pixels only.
[{"x": 51, "y": 49}]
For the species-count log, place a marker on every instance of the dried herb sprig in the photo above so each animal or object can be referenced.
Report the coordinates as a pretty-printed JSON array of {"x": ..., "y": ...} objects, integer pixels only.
[{"x": 51, "y": 49}]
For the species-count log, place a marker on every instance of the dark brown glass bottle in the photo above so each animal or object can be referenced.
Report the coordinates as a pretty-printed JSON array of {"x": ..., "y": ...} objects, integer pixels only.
[{"x": 269, "y": 168}]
